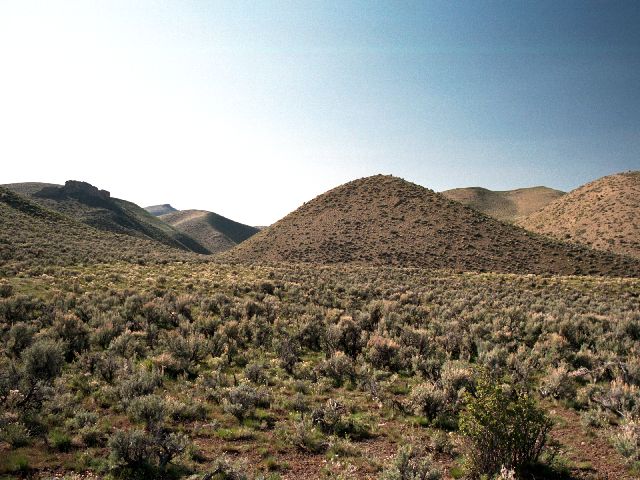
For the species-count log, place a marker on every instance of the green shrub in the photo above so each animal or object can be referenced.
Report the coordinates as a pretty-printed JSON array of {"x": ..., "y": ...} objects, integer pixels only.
[
  {"x": 338, "y": 368},
  {"x": 16, "y": 463},
  {"x": 6, "y": 290},
  {"x": 428, "y": 400},
  {"x": 60, "y": 441},
  {"x": 502, "y": 429},
  {"x": 241, "y": 401},
  {"x": 43, "y": 361},
  {"x": 411, "y": 464},
  {"x": 305, "y": 437},
  {"x": 130, "y": 449},
  {"x": 149, "y": 409},
  {"x": 334, "y": 418},
  {"x": 225, "y": 469},
  {"x": 627, "y": 440},
  {"x": 256, "y": 373},
  {"x": 20, "y": 337},
  {"x": 15, "y": 434}
]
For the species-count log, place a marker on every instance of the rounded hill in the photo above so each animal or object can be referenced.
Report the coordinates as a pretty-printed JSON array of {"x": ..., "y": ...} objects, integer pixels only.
[
  {"x": 213, "y": 231},
  {"x": 508, "y": 205},
  {"x": 385, "y": 220},
  {"x": 603, "y": 214}
]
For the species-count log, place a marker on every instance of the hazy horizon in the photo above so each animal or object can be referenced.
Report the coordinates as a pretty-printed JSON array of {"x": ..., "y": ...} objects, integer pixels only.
[{"x": 249, "y": 110}]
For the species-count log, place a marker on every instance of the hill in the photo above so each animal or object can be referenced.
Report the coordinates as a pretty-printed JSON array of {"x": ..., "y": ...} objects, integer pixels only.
[
  {"x": 213, "y": 231},
  {"x": 92, "y": 206},
  {"x": 384, "y": 220},
  {"x": 157, "y": 210},
  {"x": 508, "y": 205},
  {"x": 33, "y": 235},
  {"x": 603, "y": 214}
]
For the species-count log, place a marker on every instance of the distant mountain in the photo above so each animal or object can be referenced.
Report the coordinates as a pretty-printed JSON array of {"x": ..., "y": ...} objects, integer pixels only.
[
  {"x": 213, "y": 231},
  {"x": 603, "y": 214},
  {"x": 32, "y": 235},
  {"x": 157, "y": 210},
  {"x": 92, "y": 206},
  {"x": 384, "y": 220},
  {"x": 508, "y": 205}
]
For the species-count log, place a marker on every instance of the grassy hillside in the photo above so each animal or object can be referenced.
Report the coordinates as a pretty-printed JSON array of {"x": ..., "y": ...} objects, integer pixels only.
[
  {"x": 96, "y": 208},
  {"x": 213, "y": 231},
  {"x": 32, "y": 236},
  {"x": 509, "y": 205},
  {"x": 384, "y": 220}
]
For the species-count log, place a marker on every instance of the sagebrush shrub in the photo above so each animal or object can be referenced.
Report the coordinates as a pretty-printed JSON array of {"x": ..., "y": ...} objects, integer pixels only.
[
  {"x": 225, "y": 469},
  {"x": 140, "y": 382},
  {"x": 411, "y": 464},
  {"x": 558, "y": 383},
  {"x": 256, "y": 373},
  {"x": 43, "y": 361},
  {"x": 20, "y": 337},
  {"x": 241, "y": 401},
  {"x": 73, "y": 333},
  {"x": 428, "y": 400},
  {"x": 149, "y": 409},
  {"x": 382, "y": 352},
  {"x": 338, "y": 368},
  {"x": 627, "y": 440},
  {"x": 15, "y": 434},
  {"x": 306, "y": 437},
  {"x": 6, "y": 290},
  {"x": 131, "y": 449}
]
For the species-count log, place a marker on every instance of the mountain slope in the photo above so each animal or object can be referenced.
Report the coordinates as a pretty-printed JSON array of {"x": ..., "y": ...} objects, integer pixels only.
[
  {"x": 31, "y": 235},
  {"x": 603, "y": 214},
  {"x": 508, "y": 205},
  {"x": 211, "y": 230},
  {"x": 383, "y": 220},
  {"x": 94, "y": 207},
  {"x": 157, "y": 210}
]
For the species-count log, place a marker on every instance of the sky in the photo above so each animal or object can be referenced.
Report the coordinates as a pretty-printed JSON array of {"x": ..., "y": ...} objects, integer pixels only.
[{"x": 250, "y": 109}]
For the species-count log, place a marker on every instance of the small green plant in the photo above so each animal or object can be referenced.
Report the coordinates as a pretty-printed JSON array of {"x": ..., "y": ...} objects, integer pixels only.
[
  {"x": 627, "y": 440},
  {"x": 305, "y": 437},
  {"x": 60, "y": 441},
  {"x": 225, "y": 469},
  {"x": 15, "y": 463}
]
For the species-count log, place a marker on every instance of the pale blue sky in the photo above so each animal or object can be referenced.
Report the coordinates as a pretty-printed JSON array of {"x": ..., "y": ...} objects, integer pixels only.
[{"x": 251, "y": 108}]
